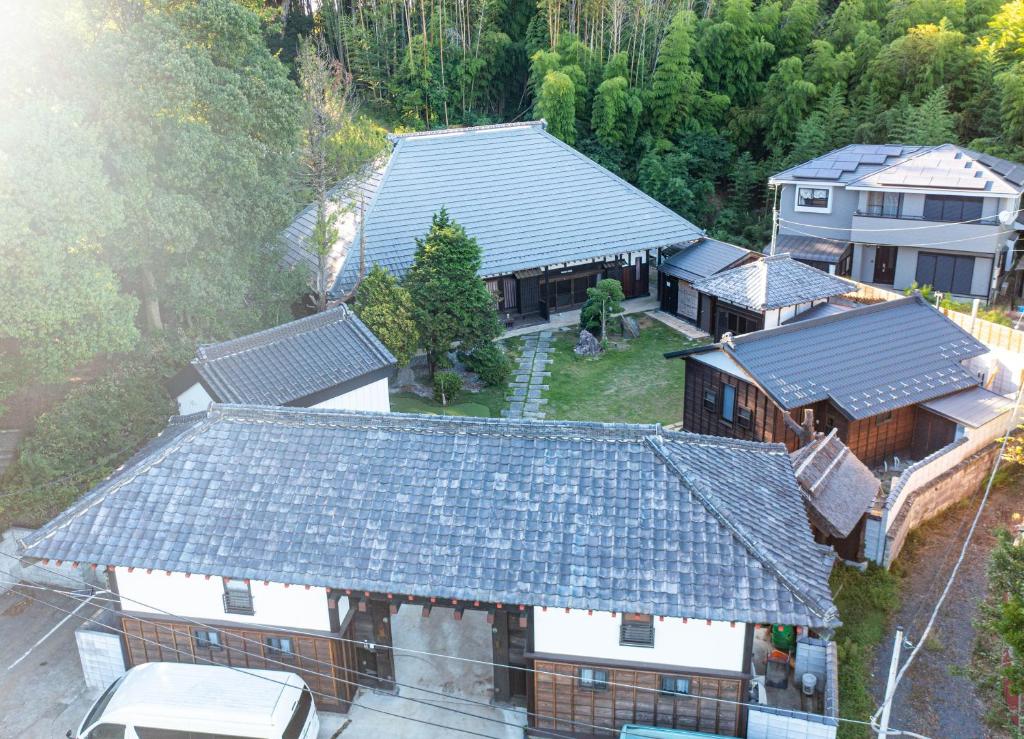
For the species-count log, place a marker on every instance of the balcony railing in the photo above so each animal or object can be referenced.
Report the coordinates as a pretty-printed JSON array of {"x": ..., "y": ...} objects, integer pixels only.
[{"x": 883, "y": 212}]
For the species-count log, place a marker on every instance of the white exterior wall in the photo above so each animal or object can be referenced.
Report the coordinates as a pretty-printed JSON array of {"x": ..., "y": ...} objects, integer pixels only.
[
  {"x": 200, "y": 599},
  {"x": 194, "y": 400},
  {"x": 372, "y": 397},
  {"x": 693, "y": 644}
]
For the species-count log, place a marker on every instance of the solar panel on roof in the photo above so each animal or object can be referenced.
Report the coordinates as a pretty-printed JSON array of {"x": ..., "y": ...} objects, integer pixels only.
[
  {"x": 805, "y": 172},
  {"x": 873, "y": 159}
]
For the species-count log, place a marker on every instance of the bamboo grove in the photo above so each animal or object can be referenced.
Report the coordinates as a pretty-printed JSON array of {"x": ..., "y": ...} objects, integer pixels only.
[{"x": 694, "y": 101}]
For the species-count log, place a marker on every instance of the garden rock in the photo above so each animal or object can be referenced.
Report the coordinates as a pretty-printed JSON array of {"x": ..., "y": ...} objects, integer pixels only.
[
  {"x": 588, "y": 345},
  {"x": 405, "y": 377},
  {"x": 630, "y": 328}
]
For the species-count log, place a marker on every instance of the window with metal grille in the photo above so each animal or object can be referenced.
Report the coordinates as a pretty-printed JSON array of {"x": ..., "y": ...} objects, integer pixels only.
[
  {"x": 637, "y": 630},
  {"x": 710, "y": 400},
  {"x": 238, "y": 598},
  {"x": 591, "y": 679}
]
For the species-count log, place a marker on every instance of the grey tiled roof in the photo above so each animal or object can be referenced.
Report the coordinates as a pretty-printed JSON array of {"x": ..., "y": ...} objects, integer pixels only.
[
  {"x": 945, "y": 166},
  {"x": 351, "y": 198},
  {"x": 293, "y": 361},
  {"x": 810, "y": 248},
  {"x": 702, "y": 258},
  {"x": 529, "y": 200},
  {"x": 773, "y": 282},
  {"x": 847, "y": 164},
  {"x": 838, "y": 487},
  {"x": 600, "y": 516},
  {"x": 866, "y": 361}
]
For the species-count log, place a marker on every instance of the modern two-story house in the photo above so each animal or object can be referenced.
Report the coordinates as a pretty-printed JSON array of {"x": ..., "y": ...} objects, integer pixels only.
[
  {"x": 616, "y": 574},
  {"x": 893, "y": 215}
]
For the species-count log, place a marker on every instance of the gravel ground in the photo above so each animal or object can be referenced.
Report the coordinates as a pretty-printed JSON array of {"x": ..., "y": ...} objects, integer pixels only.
[{"x": 935, "y": 698}]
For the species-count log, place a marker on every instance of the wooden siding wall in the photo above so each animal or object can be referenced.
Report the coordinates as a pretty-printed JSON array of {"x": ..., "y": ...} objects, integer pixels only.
[
  {"x": 153, "y": 640},
  {"x": 873, "y": 440},
  {"x": 559, "y": 701},
  {"x": 767, "y": 422}
]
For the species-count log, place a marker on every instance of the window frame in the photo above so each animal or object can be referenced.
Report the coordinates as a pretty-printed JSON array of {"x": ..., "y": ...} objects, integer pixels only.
[
  {"x": 883, "y": 418},
  {"x": 727, "y": 390},
  {"x": 926, "y": 271},
  {"x": 675, "y": 685},
  {"x": 593, "y": 682},
  {"x": 710, "y": 400},
  {"x": 278, "y": 652},
  {"x": 744, "y": 417},
  {"x": 201, "y": 639},
  {"x": 827, "y": 208}
]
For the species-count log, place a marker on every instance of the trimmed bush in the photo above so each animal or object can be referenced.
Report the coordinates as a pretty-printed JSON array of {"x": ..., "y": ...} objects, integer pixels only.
[
  {"x": 490, "y": 362},
  {"x": 447, "y": 386}
]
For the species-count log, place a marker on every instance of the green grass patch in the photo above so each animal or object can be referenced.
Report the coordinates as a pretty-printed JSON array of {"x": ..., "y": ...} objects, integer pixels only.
[
  {"x": 486, "y": 403},
  {"x": 631, "y": 382},
  {"x": 866, "y": 603}
]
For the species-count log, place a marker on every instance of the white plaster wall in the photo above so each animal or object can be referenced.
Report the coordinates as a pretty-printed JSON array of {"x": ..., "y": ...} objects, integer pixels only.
[
  {"x": 771, "y": 318},
  {"x": 982, "y": 274},
  {"x": 906, "y": 267},
  {"x": 372, "y": 397},
  {"x": 863, "y": 269},
  {"x": 194, "y": 400},
  {"x": 693, "y": 644},
  {"x": 197, "y": 598}
]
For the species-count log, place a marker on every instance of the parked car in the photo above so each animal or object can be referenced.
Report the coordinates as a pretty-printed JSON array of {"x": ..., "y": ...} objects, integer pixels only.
[{"x": 163, "y": 700}]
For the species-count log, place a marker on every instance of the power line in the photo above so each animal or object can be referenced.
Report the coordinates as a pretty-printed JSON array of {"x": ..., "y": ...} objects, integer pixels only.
[
  {"x": 956, "y": 567},
  {"x": 941, "y": 224},
  {"x": 297, "y": 666},
  {"x": 847, "y": 241},
  {"x": 305, "y": 659},
  {"x": 264, "y": 677},
  {"x": 300, "y": 632}
]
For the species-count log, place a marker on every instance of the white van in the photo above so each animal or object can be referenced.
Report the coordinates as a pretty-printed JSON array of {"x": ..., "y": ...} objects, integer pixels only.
[{"x": 166, "y": 700}]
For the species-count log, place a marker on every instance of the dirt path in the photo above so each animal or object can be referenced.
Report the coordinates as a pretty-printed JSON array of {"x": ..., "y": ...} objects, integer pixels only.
[{"x": 936, "y": 698}]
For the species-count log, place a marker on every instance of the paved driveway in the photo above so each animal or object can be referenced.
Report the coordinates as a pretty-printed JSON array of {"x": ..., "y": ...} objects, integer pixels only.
[{"x": 42, "y": 691}]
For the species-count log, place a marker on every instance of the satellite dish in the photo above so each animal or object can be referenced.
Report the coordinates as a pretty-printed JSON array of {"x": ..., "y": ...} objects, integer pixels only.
[{"x": 1006, "y": 217}]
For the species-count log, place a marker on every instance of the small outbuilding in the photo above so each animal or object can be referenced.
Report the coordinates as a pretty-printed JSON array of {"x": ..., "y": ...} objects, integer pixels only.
[
  {"x": 764, "y": 294},
  {"x": 679, "y": 270},
  {"x": 327, "y": 360},
  {"x": 838, "y": 491}
]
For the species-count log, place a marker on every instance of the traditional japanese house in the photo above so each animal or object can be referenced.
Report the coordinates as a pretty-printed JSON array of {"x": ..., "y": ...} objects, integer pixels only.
[
  {"x": 619, "y": 572},
  {"x": 871, "y": 373},
  {"x": 550, "y": 221},
  {"x": 763, "y": 294},
  {"x": 327, "y": 360}
]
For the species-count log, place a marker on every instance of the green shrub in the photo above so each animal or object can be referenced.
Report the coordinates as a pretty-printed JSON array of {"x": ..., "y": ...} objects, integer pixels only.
[
  {"x": 490, "y": 362},
  {"x": 447, "y": 386},
  {"x": 995, "y": 315},
  {"x": 78, "y": 443}
]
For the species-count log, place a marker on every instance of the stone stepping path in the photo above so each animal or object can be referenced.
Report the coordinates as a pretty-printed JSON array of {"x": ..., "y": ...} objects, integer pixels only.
[{"x": 529, "y": 378}]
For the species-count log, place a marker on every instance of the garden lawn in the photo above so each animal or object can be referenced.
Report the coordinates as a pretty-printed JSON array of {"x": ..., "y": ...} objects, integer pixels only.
[
  {"x": 487, "y": 403},
  {"x": 631, "y": 382}
]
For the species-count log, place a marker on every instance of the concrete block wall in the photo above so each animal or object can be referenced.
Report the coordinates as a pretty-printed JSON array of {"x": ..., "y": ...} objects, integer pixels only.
[
  {"x": 764, "y": 722},
  {"x": 100, "y": 650},
  {"x": 949, "y": 488}
]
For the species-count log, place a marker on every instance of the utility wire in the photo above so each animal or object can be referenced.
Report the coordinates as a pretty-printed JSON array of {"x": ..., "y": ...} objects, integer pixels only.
[
  {"x": 940, "y": 224},
  {"x": 262, "y": 677},
  {"x": 302, "y": 660},
  {"x": 293, "y": 666},
  {"x": 956, "y": 567},
  {"x": 847, "y": 241},
  {"x": 299, "y": 632}
]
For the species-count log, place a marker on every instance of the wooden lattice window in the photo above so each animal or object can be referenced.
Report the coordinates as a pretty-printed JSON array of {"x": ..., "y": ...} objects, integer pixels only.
[{"x": 637, "y": 630}]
